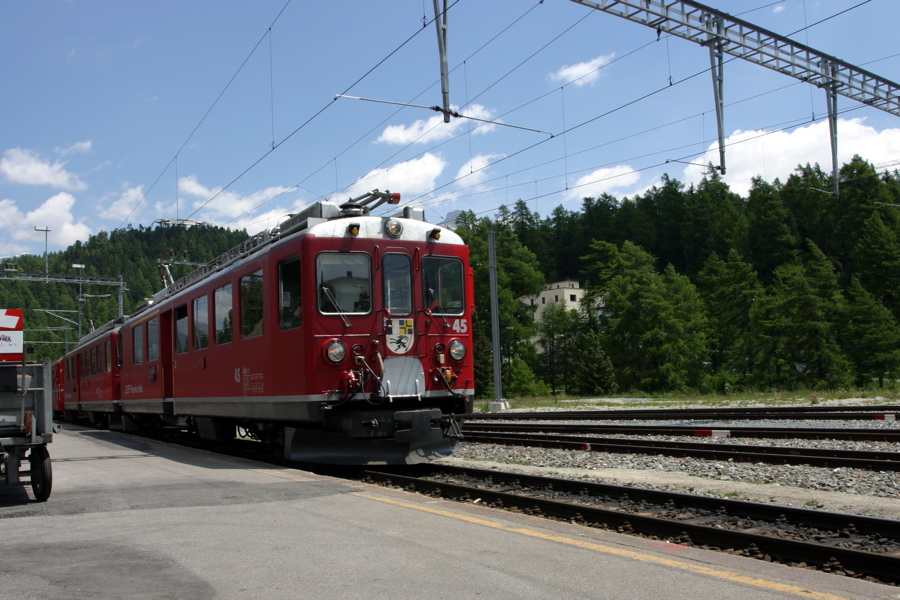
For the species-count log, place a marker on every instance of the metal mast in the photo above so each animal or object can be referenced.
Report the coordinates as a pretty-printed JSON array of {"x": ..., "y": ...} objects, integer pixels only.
[{"x": 723, "y": 33}]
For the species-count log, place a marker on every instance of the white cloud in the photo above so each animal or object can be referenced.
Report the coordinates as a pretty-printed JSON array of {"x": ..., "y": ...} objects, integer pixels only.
[
  {"x": 474, "y": 171},
  {"x": 54, "y": 213},
  {"x": 226, "y": 205},
  {"x": 409, "y": 178},
  {"x": 124, "y": 206},
  {"x": 585, "y": 73},
  {"x": 78, "y": 147},
  {"x": 19, "y": 165},
  {"x": 602, "y": 181},
  {"x": 434, "y": 129},
  {"x": 752, "y": 153}
]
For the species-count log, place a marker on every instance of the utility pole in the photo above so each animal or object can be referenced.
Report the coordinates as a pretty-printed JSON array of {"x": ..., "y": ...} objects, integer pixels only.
[
  {"x": 46, "y": 231},
  {"x": 77, "y": 266},
  {"x": 498, "y": 404}
]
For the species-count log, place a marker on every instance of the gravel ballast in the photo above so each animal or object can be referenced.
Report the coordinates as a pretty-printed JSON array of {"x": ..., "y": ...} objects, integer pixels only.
[{"x": 854, "y": 491}]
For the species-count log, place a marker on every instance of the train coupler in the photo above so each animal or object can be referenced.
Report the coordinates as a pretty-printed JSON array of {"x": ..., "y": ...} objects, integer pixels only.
[{"x": 451, "y": 427}]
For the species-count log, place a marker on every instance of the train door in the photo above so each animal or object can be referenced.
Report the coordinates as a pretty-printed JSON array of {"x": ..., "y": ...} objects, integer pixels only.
[
  {"x": 166, "y": 364},
  {"x": 403, "y": 371}
]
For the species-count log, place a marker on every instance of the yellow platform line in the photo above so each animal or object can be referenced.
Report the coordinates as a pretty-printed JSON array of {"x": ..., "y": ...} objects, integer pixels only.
[{"x": 634, "y": 555}]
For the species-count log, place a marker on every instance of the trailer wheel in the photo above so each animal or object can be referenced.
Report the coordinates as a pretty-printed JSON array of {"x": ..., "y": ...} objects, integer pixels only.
[{"x": 41, "y": 473}]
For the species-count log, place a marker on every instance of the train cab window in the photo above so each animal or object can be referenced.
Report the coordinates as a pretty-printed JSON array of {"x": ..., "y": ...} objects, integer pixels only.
[
  {"x": 442, "y": 285},
  {"x": 395, "y": 269},
  {"x": 181, "y": 329},
  {"x": 223, "y": 314},
  {"x": 344, "y": 283},
  {"x": 153, "y": 339},
  {"x": 252, "y": 304},
  {"x": 201, "y": 322},
  {"x": 108, "y": 348},
  {"x": 138, "y": 341},
  {"x": 289, "y": 293}
]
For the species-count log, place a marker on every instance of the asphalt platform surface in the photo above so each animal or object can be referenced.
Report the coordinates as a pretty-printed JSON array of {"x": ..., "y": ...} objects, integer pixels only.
[{"x": 139, "y": 519}]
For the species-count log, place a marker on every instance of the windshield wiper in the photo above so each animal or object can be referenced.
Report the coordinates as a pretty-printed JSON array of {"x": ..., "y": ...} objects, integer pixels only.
[
  {"x": 333, "y": 300},
  {"x": 437, "y": 305}
]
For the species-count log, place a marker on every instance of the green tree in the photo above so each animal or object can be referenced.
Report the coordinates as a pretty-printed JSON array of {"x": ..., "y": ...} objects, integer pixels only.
[
  {"x": 557, "y": 337},
  {"x": 652, "y": 324},
  {"x": 517, "y": 276},
  {"x": 594, "y": 372},
  {"x": 729, "y": 288},
  {"x": 770, "y": 240},
  {"x": 795, "y": 343},
  {"x": 877, "y": 262},
  {"x": 871, "y": 337}
]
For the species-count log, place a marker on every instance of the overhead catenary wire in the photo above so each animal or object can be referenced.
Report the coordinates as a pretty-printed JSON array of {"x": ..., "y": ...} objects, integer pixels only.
[{"x": 296, "y": 130}]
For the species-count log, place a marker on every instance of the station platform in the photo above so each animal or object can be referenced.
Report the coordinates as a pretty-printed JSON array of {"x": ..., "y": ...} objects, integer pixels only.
[{"x": 138, "y": 519}]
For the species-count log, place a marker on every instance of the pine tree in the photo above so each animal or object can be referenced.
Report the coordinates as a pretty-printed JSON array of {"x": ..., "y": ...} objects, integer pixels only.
[
  {"x": 877, "y": 262},
  {"x": 729, "y": 289},
  {"x": 770, "y": 240},
  {"x": 594, "y": 373},
  {"x": 871, "y": 337}
]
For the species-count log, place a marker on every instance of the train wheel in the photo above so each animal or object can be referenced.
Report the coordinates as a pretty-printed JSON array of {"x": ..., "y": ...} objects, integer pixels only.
[{"x": 41, "y": 473}]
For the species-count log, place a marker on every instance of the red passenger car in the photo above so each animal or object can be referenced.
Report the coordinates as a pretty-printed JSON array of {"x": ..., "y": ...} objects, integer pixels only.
[
  {"x": 89, "y": 376},
  {"x": 337, "y": 337}
]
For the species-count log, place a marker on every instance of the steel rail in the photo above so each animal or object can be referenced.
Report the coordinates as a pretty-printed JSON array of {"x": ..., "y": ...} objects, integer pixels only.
[
  {"x": 877, "y": 413},
  {"x": 808, "y": 433}
]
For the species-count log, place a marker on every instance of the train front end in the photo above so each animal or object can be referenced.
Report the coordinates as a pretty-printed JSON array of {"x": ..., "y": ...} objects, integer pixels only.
[{"x": 391, "y": 335}]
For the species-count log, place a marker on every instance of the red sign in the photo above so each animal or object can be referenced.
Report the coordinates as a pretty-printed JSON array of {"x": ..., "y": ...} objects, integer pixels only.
[{"x": 12, "y": 341}]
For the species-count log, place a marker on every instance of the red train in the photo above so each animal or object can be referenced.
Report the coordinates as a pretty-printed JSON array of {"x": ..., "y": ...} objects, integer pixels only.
[{"x": 337, "y": 337}]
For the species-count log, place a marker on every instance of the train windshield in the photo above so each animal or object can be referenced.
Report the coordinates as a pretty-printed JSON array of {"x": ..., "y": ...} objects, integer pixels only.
[
  {"x": 442, "y": 285},
  {"x": 344, "y": 283},
  {"x": 397, "y": 284}
]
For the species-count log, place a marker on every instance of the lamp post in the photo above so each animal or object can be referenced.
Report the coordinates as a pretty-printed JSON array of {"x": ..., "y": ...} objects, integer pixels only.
[
  {"x": 46, "y": 231},
  {"x": 77, "y": 266}
]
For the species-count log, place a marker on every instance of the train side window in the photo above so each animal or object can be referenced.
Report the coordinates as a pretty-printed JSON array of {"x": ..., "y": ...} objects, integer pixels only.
[
  {"x": 118, "y": 351},
  {"x": 153, "y": 339},
  {"x": 289, "y": 293},
  {"x": 442, "y": 285},
  {"x": 108, "y": 349},
  {"x": 93, "y": 366},
  {"x": 181, "y": 329},
  {"x": 397, "y": 284},
  {"x": 223, "y": 314},
  {"x": 137, "y": 334},
  {"x": 201, "y": 322},
  {"x": 252, "y": 304},
  {"x": 344, "y": 283}
]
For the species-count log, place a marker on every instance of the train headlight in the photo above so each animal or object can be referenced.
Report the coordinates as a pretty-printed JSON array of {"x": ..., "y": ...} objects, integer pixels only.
[
  {"x": 457, "y": 350},
  {"x": 393, "y": 228},
  {"x": 335, "y": 351}
]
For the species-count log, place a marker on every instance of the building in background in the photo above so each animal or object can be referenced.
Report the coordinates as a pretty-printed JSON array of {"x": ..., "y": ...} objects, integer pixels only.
[{"x": 567, "y": 291}]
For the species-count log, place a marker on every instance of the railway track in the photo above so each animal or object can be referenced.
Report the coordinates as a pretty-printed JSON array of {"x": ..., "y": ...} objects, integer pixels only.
[
  {"x": 809, "y": 433},
  {"x": 830, "y": 458},
  {"x": 799, "y": 413},
  {"x": 851, "y": 545}
]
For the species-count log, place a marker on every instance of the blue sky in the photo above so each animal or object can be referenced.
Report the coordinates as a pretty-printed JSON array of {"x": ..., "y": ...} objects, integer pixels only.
[{"x": 118, "y": 112}]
